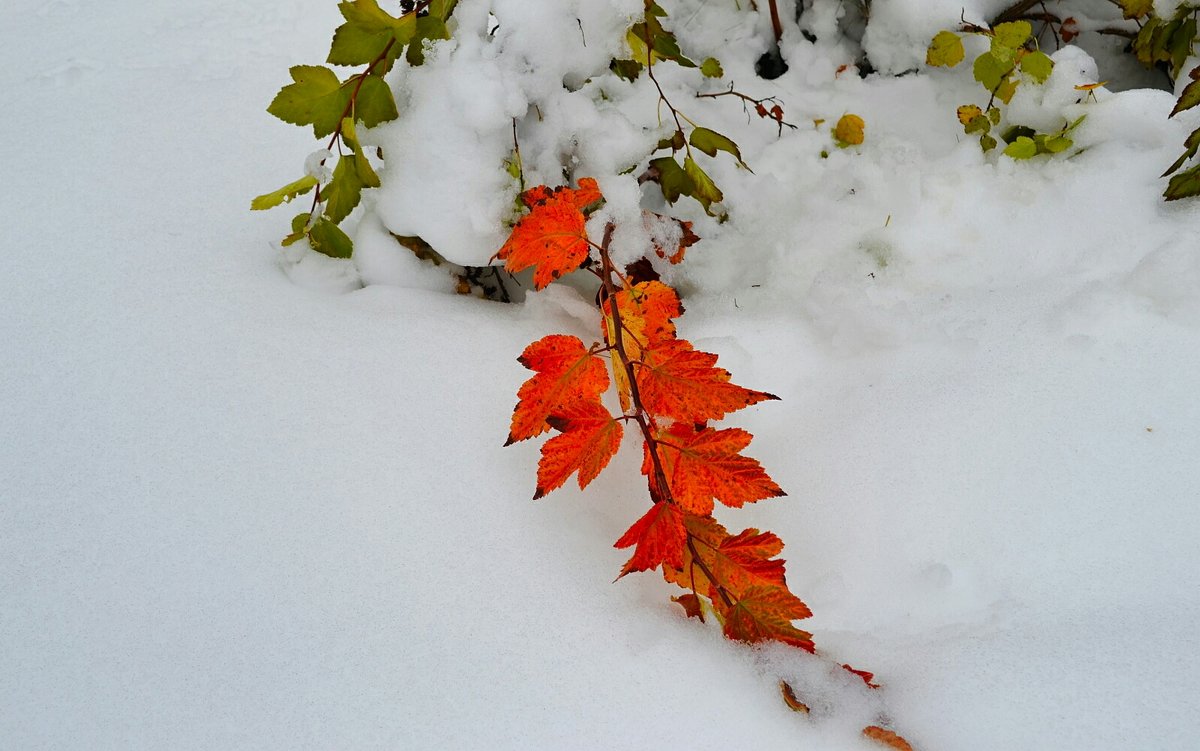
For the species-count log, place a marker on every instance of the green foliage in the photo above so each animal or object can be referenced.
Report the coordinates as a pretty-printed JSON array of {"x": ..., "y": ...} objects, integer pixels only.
[
  {"x": 1024, "y": 143},
  {"x": 284, "y": 194},
  {"x": 1167, "y": 43},
  {"x": 1187, "y": 183},
  {"x": 333, "y": 107},
  {"x": 1010, "y": 60},
  {"x": 711, "y": 68}
]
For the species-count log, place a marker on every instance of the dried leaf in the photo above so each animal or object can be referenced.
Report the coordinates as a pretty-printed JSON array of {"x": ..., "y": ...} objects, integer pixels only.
[
  {"x": 790, "y": 698},
  {"x": 887, "y": 738}
]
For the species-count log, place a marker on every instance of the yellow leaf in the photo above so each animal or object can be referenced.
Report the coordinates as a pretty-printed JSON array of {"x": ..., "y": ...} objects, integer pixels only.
[
  {"x": 849, "y": 130},
  {"x": 968, "y": 112}
]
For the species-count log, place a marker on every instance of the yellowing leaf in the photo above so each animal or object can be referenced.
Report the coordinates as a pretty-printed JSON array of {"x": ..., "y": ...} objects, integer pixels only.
[
  {"x": 1136, "y": 8},
  {"x": 968, "y": 112},
  {"x": 1037, "y": 65},
  {"x": 316, "y": 98},
  {"x": 849, "y": 130},
  {"x": 946, "y": 50},
  {"x": 284, "y": 194}
]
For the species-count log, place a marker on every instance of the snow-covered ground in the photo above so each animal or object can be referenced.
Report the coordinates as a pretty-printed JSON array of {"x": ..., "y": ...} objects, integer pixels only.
[{"x": 241, "y": 508}]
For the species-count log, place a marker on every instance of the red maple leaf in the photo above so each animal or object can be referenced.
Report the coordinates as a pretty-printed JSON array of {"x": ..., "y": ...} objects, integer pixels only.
[
  {"x": 552, "y": 237},
  {"x": 680, "y": 382},
  {"x": 566, "y": 372},
  {"x": 660, "y": 539},
  {"x": 765, "y": 613},
  {"x": 700, "y": 465},
  {"x": 744, "y": 581},
  {"x": 590, "y": 436},
  {"x": 646, "y": 310}
]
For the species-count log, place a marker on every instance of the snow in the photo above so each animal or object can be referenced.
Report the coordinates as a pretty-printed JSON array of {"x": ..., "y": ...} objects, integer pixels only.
[{"x": 253, "y": 497}]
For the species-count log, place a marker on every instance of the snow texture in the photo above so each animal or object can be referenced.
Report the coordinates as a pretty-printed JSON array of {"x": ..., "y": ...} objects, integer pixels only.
[{"x": 255, "y": 498}]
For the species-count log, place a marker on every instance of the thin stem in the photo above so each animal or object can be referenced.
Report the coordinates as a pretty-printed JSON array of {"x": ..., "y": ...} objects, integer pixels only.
[{"x": 660, "y": 491}]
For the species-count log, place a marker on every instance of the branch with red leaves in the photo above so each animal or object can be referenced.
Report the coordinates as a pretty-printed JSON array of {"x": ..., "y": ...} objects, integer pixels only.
[{"x": 671, "y": 391}]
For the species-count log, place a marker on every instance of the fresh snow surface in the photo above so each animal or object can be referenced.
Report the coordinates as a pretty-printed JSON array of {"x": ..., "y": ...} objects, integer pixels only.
[{"x": 255, "y": 499}]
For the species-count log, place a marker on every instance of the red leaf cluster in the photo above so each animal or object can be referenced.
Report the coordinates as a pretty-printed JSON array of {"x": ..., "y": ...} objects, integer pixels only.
[{"x": 671, "y": 391}]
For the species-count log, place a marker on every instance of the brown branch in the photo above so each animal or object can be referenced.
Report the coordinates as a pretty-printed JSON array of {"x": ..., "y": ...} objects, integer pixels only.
[
  {"x": 776, "y": 25},
  {"x": 1015, "y": 11},
  {"x": 660, "y": 491}
]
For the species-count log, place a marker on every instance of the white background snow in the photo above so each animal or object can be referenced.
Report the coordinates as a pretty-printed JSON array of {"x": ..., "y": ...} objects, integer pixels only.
[{"x": 248, "y": 502}]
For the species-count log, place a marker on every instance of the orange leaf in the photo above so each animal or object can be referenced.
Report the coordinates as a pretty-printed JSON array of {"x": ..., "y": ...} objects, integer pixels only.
[
  {"x": 590, "y": 436},
  {"x": 552, "y": 237},
  {"x": 867, "y": 677},
  {"x": 702, "y": 464},
  {"x": 582, "y": 197},
  {"x": 660, "y": 539},
  {"x": 566, "y": 372},
  {"x": 691, "y": 605},
  {"x": 887, "y": 738},
  {"x": 646, "y": 310},
  {"x": 680, "y": 382},
  {"x": 765, "y": 613},
  {"x": 748, "y": 587}
]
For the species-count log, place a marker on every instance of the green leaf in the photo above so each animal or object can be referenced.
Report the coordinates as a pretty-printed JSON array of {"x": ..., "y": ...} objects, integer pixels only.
[
  {"x": 1184, "y": 185},
  {"x": 441, "y": 9},
  {"x": 1180, "y": 45},
  {"x": 1017, "y": 131},
  {"x": 428, "y": 27},
  {"x": 362, "y": 165},
  {"x": 706, "y": 191},
  {"x": 352, "y": 45},
  {"x": 711, "y": 68},
  {"x": 626, "y": 69},
  {"x": 343, "y": 192},
  {"x": 316, "y": 98},
  {"x": 977, "y": 124},
  {"x": 1057, "y": 144},
  {"x": 993, "y": 114},
  {"x": 366, "y": 15},
  {"x": 375, "y": 103},
  {"x": 326, "y": 237},
  {"x": 672, "y": 179},
  {"x": 1191, "y": 145},
  {"x": 710, "y": 142},
  {"x": 284, "y": 194},
  {"x": 986, "y": 142},
  {"x": 1023, "y": 147},
  {"x": 946, "y": 50},
  {"x": 674, "y": 143},
  {"x": 1008, "y": 37},
  {"x": 299, "y": 229},
  {"x": 1037, "y": 65},
  {"x": 990, "y": 71}
]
